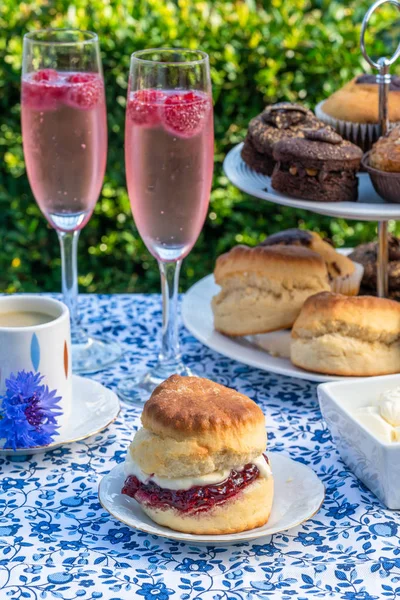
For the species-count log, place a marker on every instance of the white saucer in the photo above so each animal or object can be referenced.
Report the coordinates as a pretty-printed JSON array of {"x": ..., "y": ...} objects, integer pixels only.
[
  {"x": 93, "y": 408},
  {"x": 298, "y": 496}
]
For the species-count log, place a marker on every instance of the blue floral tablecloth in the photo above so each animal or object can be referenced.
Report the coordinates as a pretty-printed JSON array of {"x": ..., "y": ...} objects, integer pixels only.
[{"x": 57, "y": 542}]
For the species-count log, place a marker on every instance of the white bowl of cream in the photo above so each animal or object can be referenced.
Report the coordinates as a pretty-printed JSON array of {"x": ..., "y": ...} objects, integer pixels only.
[{"x": 363, "y": 416}]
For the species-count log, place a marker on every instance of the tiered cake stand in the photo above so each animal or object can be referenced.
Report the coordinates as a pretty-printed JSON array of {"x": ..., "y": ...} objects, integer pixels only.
[
  {"x": 370, "y": 206},
  {"x": 196, "y": 308}
]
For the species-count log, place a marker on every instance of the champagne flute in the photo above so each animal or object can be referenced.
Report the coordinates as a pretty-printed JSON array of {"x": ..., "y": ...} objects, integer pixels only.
[
  {"x": 64, "y": 130},
  {"x": 169, "y": 158}
]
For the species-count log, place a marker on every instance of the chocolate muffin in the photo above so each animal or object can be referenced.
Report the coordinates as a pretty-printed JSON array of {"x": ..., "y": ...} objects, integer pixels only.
[
  {"x": 321, "y": 166},
  {"x": 275, "y": 123},
  {"x": 366, "y": 254}
]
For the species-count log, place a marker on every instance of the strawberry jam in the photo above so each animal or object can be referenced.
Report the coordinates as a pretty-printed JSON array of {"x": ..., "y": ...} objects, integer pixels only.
[{"x": 197, "y": 498}]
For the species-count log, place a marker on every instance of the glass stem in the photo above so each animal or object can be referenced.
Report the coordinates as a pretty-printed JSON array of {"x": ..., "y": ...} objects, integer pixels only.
[
  {"x": 170, "y": 352},
  {"x": 69, "y": 275}
]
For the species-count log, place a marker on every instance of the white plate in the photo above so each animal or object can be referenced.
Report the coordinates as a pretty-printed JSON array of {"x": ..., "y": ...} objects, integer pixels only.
[
  {"x": 198, "y": 319},
  {"x": 298, "y": 496},
  {"x": 370, "y": 206},
  {"x": 94, "y": 407}
]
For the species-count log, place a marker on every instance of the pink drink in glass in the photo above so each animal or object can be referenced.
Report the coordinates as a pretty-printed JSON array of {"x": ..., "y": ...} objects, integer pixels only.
[
  {"x": 169, "y": 165},
  {"x": 64, "y": 131}
]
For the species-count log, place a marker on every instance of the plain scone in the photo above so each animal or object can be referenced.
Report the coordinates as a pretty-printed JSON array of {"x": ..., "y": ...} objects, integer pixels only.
[
  {"x": 351, "y": 336},
  {"x": 193, "y": 427},
  {"x": 264, "y": 288}
]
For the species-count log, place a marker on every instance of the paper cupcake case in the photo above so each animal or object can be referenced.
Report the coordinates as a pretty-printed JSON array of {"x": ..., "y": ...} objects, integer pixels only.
[
  {"x": 361, "y": 134},
  {"x": 349, "y": 286}
]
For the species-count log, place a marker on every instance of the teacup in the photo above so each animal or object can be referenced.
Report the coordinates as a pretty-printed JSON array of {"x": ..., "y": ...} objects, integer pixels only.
[{"x": 35, "y": 370}]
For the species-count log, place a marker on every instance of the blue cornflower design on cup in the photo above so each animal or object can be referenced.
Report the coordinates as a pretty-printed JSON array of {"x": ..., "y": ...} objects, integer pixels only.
[
  {"x": 155, "y": 591},
  {"x": 29, "y": 412},
  {"x": 190, "y": 565}
]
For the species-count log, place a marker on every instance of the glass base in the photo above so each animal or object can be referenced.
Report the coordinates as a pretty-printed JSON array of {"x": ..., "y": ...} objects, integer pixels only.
[
  {"x": 94, "y": 355},
  {"x": 137, "y": 390}
]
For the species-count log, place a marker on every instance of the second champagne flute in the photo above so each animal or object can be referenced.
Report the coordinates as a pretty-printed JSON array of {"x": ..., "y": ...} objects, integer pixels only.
[
  {"x": 64, "y": 129},
  {"x": 169, "y": 157}
]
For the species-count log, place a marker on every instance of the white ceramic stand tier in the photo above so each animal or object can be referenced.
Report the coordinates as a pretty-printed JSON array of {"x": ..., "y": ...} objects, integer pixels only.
[{"x": 369, "y": 207}]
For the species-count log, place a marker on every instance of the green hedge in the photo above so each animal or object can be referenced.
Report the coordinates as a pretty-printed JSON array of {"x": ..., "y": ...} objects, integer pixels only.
[{"x": 260, "y": 52}]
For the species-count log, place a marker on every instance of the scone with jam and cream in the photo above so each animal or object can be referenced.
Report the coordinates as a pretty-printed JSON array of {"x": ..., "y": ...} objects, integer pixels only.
[{"x": 198, "y": 465}]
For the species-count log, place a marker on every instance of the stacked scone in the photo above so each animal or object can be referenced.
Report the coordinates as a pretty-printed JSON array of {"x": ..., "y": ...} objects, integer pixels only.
[
  {"x": 264, "y": 288},
  {"x": 350, "y": 336},
  {"x": 198, "y": 465}
]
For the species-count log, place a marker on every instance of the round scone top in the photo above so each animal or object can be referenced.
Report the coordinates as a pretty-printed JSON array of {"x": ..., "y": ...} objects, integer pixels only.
[
  {"x": 184, "y": 407},
  {"x": 193, "y": 426},
  {"x": 363, "y": 317},
  {"x": 272, "y": 261}
]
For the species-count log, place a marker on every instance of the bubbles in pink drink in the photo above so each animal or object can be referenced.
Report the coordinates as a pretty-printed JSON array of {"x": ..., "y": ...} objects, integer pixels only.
[
  {"x": 47, "y": 89},
  {"x": 169, "y": 165},
  {"x": 143, "y": 107},
  {"x": 184, "y": 114},
  {"x": 181, "y": 113},
  {"x": 65, "y": 143}
]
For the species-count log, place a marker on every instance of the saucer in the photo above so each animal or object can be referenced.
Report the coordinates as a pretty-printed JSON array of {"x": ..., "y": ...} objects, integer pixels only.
[
  {"x": 298, "y": 496},
  {"x": 93, "y": 408}
]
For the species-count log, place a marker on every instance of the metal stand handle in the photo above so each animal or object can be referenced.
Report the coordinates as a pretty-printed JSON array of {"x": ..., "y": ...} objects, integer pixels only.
[
  {"x": 382, "y": 279},
  {"x": 383, "y": 80}
]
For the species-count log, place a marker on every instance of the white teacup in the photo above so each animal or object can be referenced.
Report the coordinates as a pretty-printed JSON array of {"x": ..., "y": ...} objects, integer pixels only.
[{"x": 35, "y": 342}]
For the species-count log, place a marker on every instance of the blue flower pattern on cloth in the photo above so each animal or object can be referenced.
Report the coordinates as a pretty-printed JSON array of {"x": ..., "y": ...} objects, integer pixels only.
[
  {"x": 56, "y": 541},
  {"x": 28, "y": 412}
]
